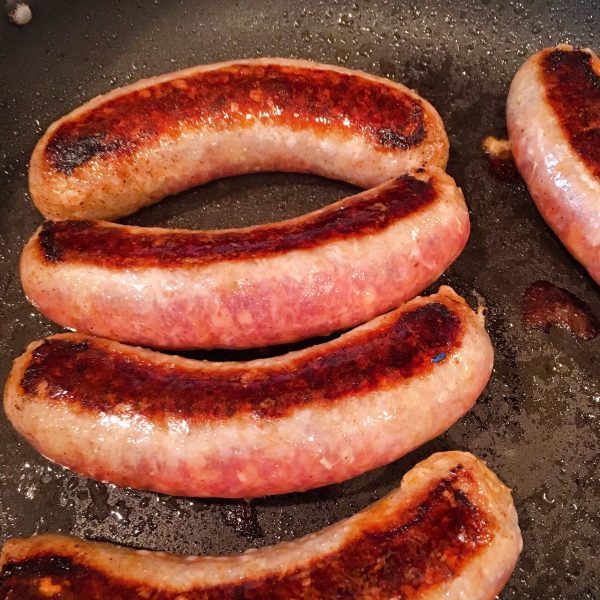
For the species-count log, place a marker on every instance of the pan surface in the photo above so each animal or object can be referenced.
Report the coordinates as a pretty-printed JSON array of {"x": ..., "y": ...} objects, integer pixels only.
[{"x": 537, "y": 422}]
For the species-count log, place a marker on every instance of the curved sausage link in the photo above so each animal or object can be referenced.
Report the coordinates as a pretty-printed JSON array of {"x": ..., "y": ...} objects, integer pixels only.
[
  {"x": 553, "y": 115},
  {"x": 259, "y": 286},
  {"x": 310, "y": 418},
  {"x": 159, "y": 136},
  {"x": 448, "y": 532}
]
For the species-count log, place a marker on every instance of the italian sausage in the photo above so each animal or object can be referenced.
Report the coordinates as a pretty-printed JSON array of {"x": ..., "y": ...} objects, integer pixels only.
[
  {"x": 140, "y": 143},
  {"x": 449, "y": 532},
  {"x": 305, "y": 419},
  {"x": 553, "y": 115},
  {"x": 264, "y": 285}
]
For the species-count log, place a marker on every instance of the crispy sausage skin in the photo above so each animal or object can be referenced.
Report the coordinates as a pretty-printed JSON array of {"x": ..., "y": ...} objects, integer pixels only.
[
  {"x": 553, "y": 115},
  {"x": 264, "y": 285},
  {"x": 140, "y": 143},
  {"x": 309, "y": 418},
  {"x": 449, "y": 532}
]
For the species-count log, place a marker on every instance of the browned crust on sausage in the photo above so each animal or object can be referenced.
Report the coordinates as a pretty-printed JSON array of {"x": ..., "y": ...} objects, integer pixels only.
[
  {"x": 91, "y": 242},
  {"x": 572, "y": 86},
  {"x": 237, "y": 95},
  {"x": 402, "y": 555},
  {"x": 94, "y": 375}
]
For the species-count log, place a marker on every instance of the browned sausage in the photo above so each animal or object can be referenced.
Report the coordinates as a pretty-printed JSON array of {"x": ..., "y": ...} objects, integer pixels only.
[
  {"x": 305, "y": 419},
  {"x": 449, "y": 532}
]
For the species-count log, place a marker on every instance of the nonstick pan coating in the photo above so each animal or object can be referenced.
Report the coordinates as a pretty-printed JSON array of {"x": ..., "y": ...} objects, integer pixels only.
[{"x": 536, "y": 423}]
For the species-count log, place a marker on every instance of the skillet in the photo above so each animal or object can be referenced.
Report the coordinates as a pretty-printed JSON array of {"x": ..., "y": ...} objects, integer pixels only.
[{"x": 536, "y": 423}]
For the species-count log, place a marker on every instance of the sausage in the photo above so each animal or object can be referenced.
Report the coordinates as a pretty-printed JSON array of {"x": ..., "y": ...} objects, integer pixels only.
[
  {"x": 449, "y": 532},
  {"x": 159, "y": 136},
  {"x": 264, "y": 285},
  {"x": 305, "y": 419},
  {"x": 553, "y": 120}
]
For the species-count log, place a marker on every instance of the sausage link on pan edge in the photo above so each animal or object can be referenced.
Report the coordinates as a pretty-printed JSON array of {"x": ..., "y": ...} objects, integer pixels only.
[
  {"x": 553, "y": 117},
  {"x": 448, "y": 532}
]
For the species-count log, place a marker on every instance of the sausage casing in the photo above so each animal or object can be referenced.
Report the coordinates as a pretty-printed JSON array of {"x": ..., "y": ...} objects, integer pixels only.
[
  {"x": 448, "y": 532},
  {"x": 305, "y": 419}
]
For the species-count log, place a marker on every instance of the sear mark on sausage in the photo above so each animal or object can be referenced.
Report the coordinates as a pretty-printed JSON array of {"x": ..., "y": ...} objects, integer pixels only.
[
  {"x": 573, "y": 90},
  {"x": 407, "y": 552},
  {"x": 113, "y": 381},
  {"x": 92, "y": 242},
  {"x": 290, "y": 96}
]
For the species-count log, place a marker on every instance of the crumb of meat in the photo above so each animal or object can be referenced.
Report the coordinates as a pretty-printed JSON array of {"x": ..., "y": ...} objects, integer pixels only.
[
  {"x": 499, "y": 154},
  {"x": 19, "y": 12}
]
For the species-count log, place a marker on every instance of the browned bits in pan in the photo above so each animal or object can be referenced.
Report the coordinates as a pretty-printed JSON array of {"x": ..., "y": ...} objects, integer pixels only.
[
  {"x": 500, "y": 159},
  {"x": 545, "y": 305}
]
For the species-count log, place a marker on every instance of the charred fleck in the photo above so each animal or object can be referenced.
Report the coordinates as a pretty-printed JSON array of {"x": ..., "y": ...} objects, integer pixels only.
[
  {"x": 65, "y": 153},
  {"x": 49, "y": 237}
]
